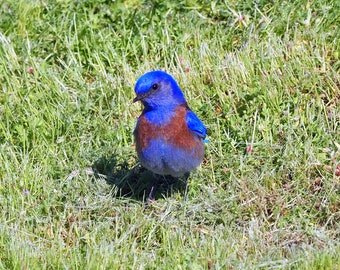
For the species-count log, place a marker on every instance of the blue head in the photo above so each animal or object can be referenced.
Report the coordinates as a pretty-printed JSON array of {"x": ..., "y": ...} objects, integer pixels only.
[{"x": 158, "y": 89}]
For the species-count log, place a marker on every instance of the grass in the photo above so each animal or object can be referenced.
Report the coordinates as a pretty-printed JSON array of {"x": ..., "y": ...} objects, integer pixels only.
[{"x": 264, "y": 78}]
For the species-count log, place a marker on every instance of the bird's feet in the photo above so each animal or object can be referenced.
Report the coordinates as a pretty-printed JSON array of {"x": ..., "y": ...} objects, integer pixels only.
[{"x": 151, "y": 196}]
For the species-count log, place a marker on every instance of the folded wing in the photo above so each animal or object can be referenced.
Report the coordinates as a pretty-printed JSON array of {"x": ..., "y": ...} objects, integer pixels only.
[{"x": 195, "y": 124}]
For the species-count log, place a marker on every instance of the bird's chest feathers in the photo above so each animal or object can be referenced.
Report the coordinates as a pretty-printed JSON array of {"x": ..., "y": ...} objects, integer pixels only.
[
  {"x": 159, "y": 117},
  {"x": 168, "y": 129}
]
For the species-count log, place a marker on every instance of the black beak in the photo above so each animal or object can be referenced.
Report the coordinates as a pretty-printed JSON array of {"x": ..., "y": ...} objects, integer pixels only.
[
  {"x": 136, "y": 99},
  {"x": 142, "y": 96}
]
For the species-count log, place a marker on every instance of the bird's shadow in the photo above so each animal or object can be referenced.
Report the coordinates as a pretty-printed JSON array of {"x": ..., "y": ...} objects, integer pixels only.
[{"x": 135, "y": 182}]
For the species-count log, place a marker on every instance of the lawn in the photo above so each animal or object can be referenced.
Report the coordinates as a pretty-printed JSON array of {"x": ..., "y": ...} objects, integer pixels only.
[{"x": 264, "y": 76}]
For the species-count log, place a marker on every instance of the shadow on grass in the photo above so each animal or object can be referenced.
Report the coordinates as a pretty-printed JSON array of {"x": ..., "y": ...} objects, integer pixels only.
[{"x": 136, "y": 182}]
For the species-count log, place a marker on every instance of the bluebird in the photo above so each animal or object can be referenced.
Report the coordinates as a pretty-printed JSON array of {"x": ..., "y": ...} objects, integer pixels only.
[{"x": 169, "y": 137}]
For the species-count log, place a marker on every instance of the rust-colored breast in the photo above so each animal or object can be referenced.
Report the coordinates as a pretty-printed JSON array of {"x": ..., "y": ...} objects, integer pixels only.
[{"x": 176, "y": 132}]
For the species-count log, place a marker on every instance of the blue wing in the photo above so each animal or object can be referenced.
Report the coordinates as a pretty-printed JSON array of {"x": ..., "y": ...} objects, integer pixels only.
[{"x": 195, "y": 124}]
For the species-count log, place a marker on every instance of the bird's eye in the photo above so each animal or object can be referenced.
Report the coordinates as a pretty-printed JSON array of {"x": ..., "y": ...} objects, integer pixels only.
[{"x": 155, "y": 86}]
